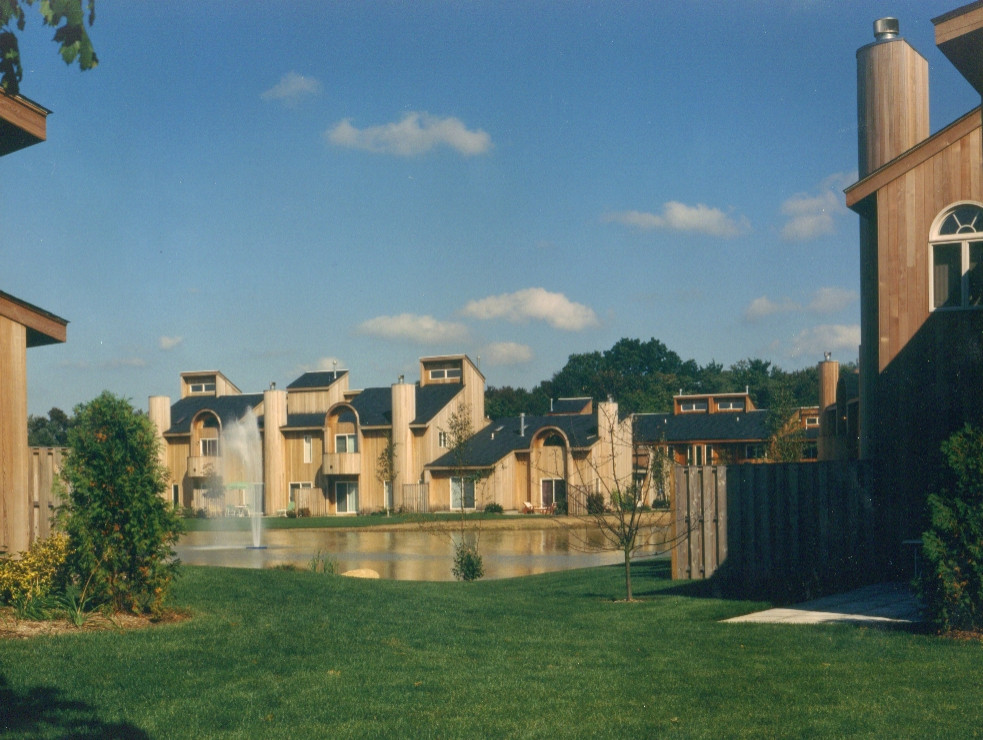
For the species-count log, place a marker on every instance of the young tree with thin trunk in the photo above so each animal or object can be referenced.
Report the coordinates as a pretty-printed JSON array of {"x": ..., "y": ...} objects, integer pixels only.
[{"x": 385, "y": 467}]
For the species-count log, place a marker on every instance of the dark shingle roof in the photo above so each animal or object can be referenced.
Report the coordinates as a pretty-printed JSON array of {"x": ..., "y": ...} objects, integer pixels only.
[
  {"x": 502, "y": 437},
  {"x": 569, "y": 405},
  {"x": 723, "y": 427},
  {"x": 430, "y": 399},
  {"x": 374, "y": 407},
  {"x": 227, "y": 408},
  {"x": 316, "y": 380},
  {"x": 304, "y": 421}
]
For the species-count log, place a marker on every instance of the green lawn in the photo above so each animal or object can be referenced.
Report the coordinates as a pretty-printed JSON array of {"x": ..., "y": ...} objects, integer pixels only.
[
  {"x": 233, "y": 524},
  {"x": 296, "y": 655}
]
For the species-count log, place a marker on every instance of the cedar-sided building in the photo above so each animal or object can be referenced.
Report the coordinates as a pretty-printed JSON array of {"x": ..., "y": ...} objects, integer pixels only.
[
  {"x": 22, "y": 123},
  {"x": 316, "y": 444},
  {"x": 920, "y": 202}
]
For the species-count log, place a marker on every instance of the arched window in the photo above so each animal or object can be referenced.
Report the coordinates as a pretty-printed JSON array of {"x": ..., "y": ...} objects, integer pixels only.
[{"x": 957, "y": 258}]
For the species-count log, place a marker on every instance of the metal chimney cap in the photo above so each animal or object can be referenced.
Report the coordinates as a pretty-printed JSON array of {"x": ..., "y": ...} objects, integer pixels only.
[{"x": 886, "y": 28}]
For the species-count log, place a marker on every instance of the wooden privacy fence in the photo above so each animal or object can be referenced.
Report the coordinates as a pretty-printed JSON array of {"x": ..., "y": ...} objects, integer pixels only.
[
  {"x": 44, "y": 468},
  {"x": 782, "y": 529}
]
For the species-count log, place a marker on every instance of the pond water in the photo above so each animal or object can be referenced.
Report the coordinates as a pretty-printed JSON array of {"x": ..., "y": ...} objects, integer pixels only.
[{"x": 407, "y": 554}]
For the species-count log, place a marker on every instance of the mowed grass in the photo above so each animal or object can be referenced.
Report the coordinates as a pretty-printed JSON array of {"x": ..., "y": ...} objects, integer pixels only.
[
  {"x": 296, "y": 654},
  {"x": 244, "y": 524}
]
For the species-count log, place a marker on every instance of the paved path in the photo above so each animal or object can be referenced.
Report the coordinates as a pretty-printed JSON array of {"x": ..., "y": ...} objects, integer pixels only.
[{"x": 885, "y": 604}]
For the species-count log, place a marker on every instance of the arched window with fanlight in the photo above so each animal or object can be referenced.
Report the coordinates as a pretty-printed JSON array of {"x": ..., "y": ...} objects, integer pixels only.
[{"x": 956, "y": 251}]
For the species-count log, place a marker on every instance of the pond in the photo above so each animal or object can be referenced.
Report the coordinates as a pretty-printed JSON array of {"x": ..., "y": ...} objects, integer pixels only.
[{"x": 406, "y": 554}]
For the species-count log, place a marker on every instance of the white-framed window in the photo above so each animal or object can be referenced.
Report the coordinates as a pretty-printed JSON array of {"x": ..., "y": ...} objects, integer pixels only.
[
  {"x": 442, "y": 439},
  {"x": 308, "y": 448},
  {"x": 730, "y": 405},
  {"x": 956, "y": 254},
  {"x": 812, "y": 421},
  {"x": 552, "y": 491},
  {"x": 462, "y": 494},
  {"x": 346, "y": 443},
  {"x": 175, "y": 494},
  {"x": 209, "y": 447},
  {"x": 387, "y": 493},
  {"x": 441, "y": 373},
  {"x": 693, "y": 406},
  {"x": 346, "y": 496},
  {"x": 202, "y": 387},
  {"x": 296, "y": 496}
]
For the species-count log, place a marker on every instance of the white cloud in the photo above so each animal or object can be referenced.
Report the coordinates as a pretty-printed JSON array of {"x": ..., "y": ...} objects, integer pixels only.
[
  {"x": 537, "y": 304},
  {"x": 825, "y": 338},
  {"x": 812, "y": 215},
  {"x": 169, "y": 343},
  {"x": 410, "y": 327},
  {"x": 824, "y": 301},
  {"x": 676, "y": 216},
  {"x": 506, "y": 353},
  {"x": 416, "y": 133},
  {"x": 761, "y": 307},
  {"x": 831, "y": 300},
  {"x": 292, "y": 88}
]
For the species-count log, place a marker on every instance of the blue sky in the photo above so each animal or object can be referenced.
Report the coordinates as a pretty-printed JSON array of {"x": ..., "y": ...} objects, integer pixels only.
[{"x": 268, "y": 188}]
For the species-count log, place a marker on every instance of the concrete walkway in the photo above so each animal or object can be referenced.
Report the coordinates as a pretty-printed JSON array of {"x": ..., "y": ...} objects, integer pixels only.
[{"x": 885, "y": 604}]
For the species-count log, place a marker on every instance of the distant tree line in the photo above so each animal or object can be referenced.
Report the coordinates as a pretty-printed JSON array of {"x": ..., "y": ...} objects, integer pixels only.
[{"x": 644, "y": 377}]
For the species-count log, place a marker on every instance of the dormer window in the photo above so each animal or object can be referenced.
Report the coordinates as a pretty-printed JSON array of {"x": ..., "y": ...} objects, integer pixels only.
[
  {"x": 956, "y": 251},
  {"x": 730, "y": 405},
  {"x": 202, "y": 388},
  {"x": 689, "y": 407},
  {"x": 445, "y": 373}
]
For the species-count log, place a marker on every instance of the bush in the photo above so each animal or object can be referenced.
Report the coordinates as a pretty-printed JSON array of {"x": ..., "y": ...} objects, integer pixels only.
[
  {"x": 468, "y": 565},
  {"x": 493, "y": 508},
  {"x": 303, "y": 511},
  {"x": 120, "y": 528},
  {"x": 36, "y": 573},
  {"x": 951, "y": 583},
  {"x": 595, "y": 503}
]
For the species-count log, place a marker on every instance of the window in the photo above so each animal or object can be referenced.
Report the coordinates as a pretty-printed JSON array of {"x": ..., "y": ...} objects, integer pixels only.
[
  {"x": 812, "y": 421},
  {"x": 754, "y": 452},
  {"x": 552, "y": 491},
  {"x": 730, "y": 405},
  {"x": 957, "y": 259},
  {"x": 175, "y": 494},
  {"x": 462, "y": 493},
  {"x": 202, "y": 387},
  {"x": 308, "y": 448},
  {"x": 209, "y": 447},
  {"x": 445, "y": 372},
  {"x": 345, "y": 443},
  {"x": 691, "y": 406},
  {"x": 346, "y": 496},
  {"x": 442, "y": 439}
]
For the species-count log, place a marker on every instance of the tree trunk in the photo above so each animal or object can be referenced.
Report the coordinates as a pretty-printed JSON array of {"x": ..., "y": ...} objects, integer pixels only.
[{"x": 628, "y": 576}]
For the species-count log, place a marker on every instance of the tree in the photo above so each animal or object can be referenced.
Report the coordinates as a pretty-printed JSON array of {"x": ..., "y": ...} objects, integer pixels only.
[
  {"x": 951, "y": 582},
  {"x": 385, "y": 465},
  {"x": 786, "y": 437},
  {"x": 613, "y": 499},
  {"x": 67, "y": 17},
  {"x": 468, "y": 564},
  {"x": 120, "y": 529},
  {"x": 48, "y": 432}
]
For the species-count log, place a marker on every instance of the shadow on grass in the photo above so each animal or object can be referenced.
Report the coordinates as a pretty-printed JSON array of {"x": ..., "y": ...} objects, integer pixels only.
[{"x": 44, "y": 711}]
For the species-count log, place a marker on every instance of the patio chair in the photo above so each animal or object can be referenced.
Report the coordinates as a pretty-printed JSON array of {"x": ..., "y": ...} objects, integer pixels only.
[
  {"x": 284, "y": 512},
  {"x": 528, "y": 508}
]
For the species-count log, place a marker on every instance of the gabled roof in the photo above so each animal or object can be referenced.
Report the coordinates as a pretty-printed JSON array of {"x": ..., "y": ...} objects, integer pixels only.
[
  {"x": 43, "y": 327},
  {"x": 746, "y": 426},
  {"x": 313, "y": 420},
  {"x": 22, "y": 122},
  {"x": 505, "y": 436},
  {"x": 227, "y": 408},
  {"x": 906, "y": 161},
  {"x": 321, "y": 379},
  {"x": 570, "y": 405},
  {"x": 375, "y": 405}
]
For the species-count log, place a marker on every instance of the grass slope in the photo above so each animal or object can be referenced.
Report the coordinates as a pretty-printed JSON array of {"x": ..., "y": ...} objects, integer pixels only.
[{"x": 295, "y": 654}]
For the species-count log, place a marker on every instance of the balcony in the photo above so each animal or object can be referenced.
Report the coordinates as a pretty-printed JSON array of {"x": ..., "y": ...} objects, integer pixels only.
[
  {"x": 199, "y": 466},
  {"x": 342, "y": 463}
]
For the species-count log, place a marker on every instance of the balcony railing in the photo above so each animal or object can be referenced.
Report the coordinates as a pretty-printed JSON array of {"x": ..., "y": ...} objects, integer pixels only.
[
  {"x": 342, "y": 463},
  {"x": 199, "y": 466}
]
